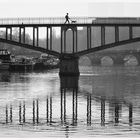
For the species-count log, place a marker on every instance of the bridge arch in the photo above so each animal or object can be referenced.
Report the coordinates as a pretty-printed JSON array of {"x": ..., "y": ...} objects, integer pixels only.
[
  {"x": 106, "y": 61},
  {"x": 130, "y": 60},
  {"x": 85, "y": 60},
  {"x": 69, "y": 40}
]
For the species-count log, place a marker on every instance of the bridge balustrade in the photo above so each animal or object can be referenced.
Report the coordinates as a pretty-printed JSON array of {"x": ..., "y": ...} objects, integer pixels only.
[
  {"x": 61, "y": 20},
  {"x": 44, "y": 20}
]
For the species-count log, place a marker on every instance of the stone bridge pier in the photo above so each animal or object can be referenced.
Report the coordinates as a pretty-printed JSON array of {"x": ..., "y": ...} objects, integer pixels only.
[
  {"x": 69, "y": 65},
  {"x": 118, "y": 59}
]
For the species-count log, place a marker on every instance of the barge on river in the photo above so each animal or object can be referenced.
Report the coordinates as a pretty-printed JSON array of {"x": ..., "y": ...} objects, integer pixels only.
[{"x": 5, "y": 59}]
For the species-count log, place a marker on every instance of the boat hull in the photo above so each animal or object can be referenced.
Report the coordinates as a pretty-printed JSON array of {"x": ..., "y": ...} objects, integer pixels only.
[
  {"x": 4, "y": 66},
  {"x": 20, "y": 67}
]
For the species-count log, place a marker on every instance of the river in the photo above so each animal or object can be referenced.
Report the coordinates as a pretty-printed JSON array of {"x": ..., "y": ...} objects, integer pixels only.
[{"x": 103, "y": 102}]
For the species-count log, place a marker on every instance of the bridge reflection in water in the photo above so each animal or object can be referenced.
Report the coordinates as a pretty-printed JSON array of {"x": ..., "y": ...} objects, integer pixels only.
[{"x": 40, "y": 115}]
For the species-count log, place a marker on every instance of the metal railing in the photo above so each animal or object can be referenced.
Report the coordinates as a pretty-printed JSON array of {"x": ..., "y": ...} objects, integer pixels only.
[
  {"x": 61, "y": 20},
  {"x": 44, "y": 20}
]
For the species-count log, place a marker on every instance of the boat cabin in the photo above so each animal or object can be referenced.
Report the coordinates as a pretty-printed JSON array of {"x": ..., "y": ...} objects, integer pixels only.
[{"x": 5, "y": 55}]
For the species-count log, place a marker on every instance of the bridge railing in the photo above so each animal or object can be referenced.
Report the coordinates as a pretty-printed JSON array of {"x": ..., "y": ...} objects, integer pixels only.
[
  {"x": 61, "y": 20},
  {"x": 117, "y": 20},
  {"x": 48, "y": 20}
]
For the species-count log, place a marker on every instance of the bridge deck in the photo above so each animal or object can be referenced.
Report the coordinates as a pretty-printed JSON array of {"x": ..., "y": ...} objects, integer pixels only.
[{"x": 59, "y": 21}]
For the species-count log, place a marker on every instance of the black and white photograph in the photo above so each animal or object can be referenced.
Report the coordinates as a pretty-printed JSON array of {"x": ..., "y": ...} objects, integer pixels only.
[{"x": 69, "y": 69}]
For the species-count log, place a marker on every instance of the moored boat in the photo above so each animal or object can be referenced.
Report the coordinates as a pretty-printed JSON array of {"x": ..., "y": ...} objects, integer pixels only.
[
  {"x": 21, "y": 65},
  {"x": 5, "y": 59},
  {"x": 46, "y": 63}
]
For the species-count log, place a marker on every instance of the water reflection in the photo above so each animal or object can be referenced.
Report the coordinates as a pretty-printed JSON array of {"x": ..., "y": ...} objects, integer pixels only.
[
  {"x": 114, "y": 108},
  {"x": 89, "y": 109},
  {"x": 130, "y": 114},
  {"x": 81, "y": 105},
  {"x": 102, "y": 111},
  {"x": 19, "y": 112},
  {"x": 6, "y": 112},
  {"x": 11, "y": 114},
  {"x": 33, "y": 111}
]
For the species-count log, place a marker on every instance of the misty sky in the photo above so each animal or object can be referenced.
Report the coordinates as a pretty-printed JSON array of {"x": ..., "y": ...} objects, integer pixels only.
[
  {"x": 48, "y": 8},
  {"x": 58, "y": 8}
]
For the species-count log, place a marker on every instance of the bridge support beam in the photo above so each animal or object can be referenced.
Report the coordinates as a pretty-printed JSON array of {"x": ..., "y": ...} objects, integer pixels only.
[
  {"x": 49, "y": 38},
  {"x": 130, "y": 32},
  {"x": 116, "y": 34},
  {"x": 69, "y": 65},
  {"x": 102, "y": 35},
  {"x": 6, "y": 36},
  {"x": 20, "y": 34},
  {"x": 88, "y": 37},
  {"x": 11, "y": 33},
  {"x": 24, "y": 35}
]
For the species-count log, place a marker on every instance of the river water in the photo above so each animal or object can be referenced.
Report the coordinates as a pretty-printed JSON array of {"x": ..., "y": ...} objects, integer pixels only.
[{"x": 102, "y": 102}]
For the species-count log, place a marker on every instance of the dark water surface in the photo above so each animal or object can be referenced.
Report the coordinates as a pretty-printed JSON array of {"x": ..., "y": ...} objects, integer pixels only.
[{"x": 103, "y": 101}]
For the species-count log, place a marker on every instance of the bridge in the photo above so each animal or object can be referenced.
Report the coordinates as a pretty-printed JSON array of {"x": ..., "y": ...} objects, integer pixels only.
[
  {"x": 69, "y": 57},
  {"x": 117, "y": 57}
]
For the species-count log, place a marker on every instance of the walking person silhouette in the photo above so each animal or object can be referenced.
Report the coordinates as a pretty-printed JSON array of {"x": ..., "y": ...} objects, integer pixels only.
[{"x": 67, "y": 18}]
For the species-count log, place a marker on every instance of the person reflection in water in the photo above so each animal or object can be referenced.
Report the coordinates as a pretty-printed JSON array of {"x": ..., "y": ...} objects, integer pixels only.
[{"x": 67, "y": 18}]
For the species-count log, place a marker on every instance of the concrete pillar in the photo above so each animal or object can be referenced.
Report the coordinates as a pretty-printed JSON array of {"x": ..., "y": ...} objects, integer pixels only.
[
  {"x": 11, "y": 33},
  {"x": 116, "y": 34},
  {"x": 102, "y": 35},
  {"x": 33, "y": 36},
  {"x": 23, "y": 34},
  {"x": 130, "y": 32},
  {"x": 37, "y": 36},
  {"x": 6, "y": 36},
  {"x": 118, "y": 61},
  {"x": 47, "y": 38},
  {"x": 88, "y": 37},
  {"x": 69, "y": 65},
  {"x": 50, "y": 38},
  {"x": 20, "y": 34}
]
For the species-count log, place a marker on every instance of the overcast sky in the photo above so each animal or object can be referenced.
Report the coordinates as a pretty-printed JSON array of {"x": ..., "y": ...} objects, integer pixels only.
[{"x": 48, "y": 8}]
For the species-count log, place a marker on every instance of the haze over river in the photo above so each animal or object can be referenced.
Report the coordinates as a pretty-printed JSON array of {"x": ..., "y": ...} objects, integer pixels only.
[{"x": 103, "y": 101}]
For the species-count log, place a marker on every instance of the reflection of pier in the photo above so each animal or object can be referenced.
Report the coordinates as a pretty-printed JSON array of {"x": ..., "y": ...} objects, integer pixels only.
[
  {"x": 21, "y": 110},
  {"x": 35, "y": 118},
  {"x": 89, "y": 109},
  {"x": 74, "y": 106},
  {"x": 68, "y": 115}
]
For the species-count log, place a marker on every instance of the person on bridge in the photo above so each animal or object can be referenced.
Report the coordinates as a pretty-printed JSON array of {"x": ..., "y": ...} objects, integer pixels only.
[{"x": 67, "y": 18}]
